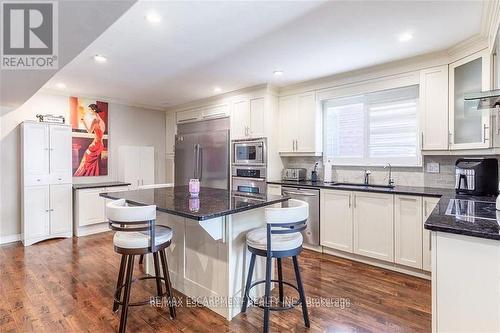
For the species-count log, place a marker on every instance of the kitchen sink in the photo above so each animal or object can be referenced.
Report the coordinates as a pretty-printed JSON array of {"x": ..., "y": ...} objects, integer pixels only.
[{"x": 363, "y": 185}]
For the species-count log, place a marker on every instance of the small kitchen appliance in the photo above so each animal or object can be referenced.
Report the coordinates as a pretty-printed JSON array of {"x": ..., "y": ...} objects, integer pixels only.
[
  {"x": 249, "y": 151},
  {"x": 294, "y": 174},
  {"x": 476, "y": 176},
  {"x": 249, "y": 169}
]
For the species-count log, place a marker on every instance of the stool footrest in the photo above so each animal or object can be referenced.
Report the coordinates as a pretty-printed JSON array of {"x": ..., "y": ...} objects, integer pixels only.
[
  {"x": 274, "y": 308},
  {"x": 140, "y": 303}
]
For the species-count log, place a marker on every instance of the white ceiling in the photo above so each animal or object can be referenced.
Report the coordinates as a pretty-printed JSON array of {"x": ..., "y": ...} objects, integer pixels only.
[
  {"x": 233, "y": 44},
  {"x": 75, "y": 33}
]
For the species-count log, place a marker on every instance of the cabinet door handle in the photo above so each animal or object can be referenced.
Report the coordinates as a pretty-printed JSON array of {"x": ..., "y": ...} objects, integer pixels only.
[
  {"x": 296, "y": 144},
  {"x": 422, "y": 141},
  {"x": 354, "y": 201},
  {"x": 484, "y": 133},
  {"x": 349, "y": 201},
  {"x": 430, "y": 242}
]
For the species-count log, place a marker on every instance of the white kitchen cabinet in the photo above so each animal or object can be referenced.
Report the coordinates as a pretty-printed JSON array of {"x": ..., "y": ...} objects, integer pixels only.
[
  {"x": 428, "y": 205},
  {"x": 408, "y": 230},
  {"x": 336, "y": 224},
  {"x": 60, "y": 208},
  {"x": 188, "y": 116},
  {"x": 248, "y": 118},
  {"x": 434, "y": 108},
  {"x": 170, "y": 133},
  {"x": 465, "y": 283},
  {"x": 374, "y": 225},
  {"x": 274, "y": 189},
  {"x": 90, "y": 210},
  {"x": 46, "y": 181},
  {"x": 136, "y": 165},
  {"x": 215, "y": 111},
  {"x": 300, "y": 125},
  {"x": 469, "y": 128},
  {"x": 36, "y": 218}
]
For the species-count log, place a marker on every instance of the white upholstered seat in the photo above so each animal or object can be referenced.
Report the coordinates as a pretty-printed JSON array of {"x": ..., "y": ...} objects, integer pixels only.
[
  {"x": 118, "y": 211},
  {"x": 257, "y": 238},
  {"x": 138, "y": 240},
  {"x": 296, "y": 211}
]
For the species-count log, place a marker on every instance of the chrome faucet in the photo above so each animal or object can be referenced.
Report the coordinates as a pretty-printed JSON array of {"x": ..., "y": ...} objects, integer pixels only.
[
  {"x": 367, "y": 175},
  {"x": 391, "y": 180}
]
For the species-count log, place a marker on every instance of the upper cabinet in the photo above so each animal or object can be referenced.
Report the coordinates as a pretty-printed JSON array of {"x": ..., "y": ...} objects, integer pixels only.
[
  {"x": 248, "y": 118},
  {"x": 300, "y": 125},
  {"x": 434, "y": 108},
  {"x": 469, "y": 128}
]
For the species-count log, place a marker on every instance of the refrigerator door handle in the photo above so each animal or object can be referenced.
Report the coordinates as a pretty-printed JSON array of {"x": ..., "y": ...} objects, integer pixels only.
[
  {"x": 195, "y": 160},
  {"x": 200, "y": 162}
]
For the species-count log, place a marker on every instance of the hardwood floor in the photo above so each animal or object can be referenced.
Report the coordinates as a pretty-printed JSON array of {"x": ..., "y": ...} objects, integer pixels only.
[{"x": 67, "y": 285}]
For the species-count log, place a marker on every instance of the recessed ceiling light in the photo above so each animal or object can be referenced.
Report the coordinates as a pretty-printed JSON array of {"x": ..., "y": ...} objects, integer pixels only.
[
  {"x": 278, "y": 73},
  {"x": 217, "y": 89},
  {"x": 100, "y": 58},
  {"x": 405, "y": 36},
  {"x": 153, "y": 17},
  {"x": 60, "y": 85}
]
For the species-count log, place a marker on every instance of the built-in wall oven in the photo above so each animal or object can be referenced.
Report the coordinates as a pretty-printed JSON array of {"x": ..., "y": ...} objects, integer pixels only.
[
  {"x": 249, "y": 180},
  {"x": 249, "y": 152},
  {"x": 249, "y": 169}
]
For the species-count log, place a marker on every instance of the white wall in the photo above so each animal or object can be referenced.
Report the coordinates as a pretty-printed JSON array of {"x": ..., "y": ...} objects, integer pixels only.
[{"x": 128, "y": 125}]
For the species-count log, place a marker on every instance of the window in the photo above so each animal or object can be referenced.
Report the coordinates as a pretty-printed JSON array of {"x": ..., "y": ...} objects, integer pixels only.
[{"x": 373, "y": 129}]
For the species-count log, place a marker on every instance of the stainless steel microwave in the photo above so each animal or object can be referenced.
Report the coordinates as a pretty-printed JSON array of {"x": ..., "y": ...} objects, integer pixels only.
[{"x": 249, "y": 152}]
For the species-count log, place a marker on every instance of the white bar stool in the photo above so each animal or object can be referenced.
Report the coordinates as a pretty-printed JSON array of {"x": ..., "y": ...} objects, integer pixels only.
[
  {"x": 279, "y": 239},
  {"x": 137, "y": 234}
]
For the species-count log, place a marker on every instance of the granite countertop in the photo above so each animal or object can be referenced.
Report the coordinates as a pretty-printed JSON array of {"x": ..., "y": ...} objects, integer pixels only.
[
  {"x": 478, "y": 218},
  {"x": 408, "y": 190},
  {"x": 210, "y": 204},
  {"x": 97, "y": 185},
  {"x": 474, "y": 224}
]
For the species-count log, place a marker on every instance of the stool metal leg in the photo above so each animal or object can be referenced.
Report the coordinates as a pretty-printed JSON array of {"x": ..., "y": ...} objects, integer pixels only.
[
  {"x": 157, "y": 274},
  {"x": 168, "y": 284},
  {"x": 249, "y": 282},
  {"x": 126, "y": 296},
  {"x": 280, "y": 279},
  {"x": 301, "y": 291},
  {"x": 267, "y": 295},
  {"x": 118, "y": 290}
]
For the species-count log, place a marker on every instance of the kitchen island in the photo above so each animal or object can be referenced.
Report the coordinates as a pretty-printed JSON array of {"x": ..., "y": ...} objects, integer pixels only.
[{"x": 207, "y": 259}]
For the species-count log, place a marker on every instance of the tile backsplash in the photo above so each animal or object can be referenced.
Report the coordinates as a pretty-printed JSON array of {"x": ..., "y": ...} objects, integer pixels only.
[{"x": 403, "y": 176}]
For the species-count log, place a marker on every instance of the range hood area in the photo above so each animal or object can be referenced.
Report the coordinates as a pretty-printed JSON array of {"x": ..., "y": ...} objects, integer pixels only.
[{"x": 486, "y": 99}]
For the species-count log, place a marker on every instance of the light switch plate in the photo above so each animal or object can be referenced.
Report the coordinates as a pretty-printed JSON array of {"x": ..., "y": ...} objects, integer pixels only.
[{"x": 432, "y": 167}]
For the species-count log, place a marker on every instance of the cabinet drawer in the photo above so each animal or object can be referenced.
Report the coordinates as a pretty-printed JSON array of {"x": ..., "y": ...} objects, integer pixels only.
[
  {"x": 61, "y": 178},
  {"x": 33, "y": 180}
]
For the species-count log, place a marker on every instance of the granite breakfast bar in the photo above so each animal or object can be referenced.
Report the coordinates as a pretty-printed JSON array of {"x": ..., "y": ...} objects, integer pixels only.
[{"x": 207, "y": 258}]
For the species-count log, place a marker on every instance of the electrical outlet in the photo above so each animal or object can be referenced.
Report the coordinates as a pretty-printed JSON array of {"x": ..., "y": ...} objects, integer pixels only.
[{"x": 432, "y": 167}]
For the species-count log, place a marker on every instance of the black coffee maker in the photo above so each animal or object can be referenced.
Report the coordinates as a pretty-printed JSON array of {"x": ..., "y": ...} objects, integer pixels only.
[{"x": 476, "y": 176}]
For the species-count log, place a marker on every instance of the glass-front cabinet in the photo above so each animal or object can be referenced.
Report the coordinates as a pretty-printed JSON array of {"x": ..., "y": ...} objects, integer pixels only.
[{"x": 469, "y": 127}]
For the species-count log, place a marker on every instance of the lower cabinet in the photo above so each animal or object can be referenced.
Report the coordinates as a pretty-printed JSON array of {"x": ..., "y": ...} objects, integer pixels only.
[
  {"x": 373, "y": 225},
  {"x": 382, "y": 226},
  {"x": 90, "y": 210},
  {"x": 428, "y": 206},
  {"x": 47, "y": 212},
  {"x": 336, "y": 219},
  {"x": 408, "y": 230}
]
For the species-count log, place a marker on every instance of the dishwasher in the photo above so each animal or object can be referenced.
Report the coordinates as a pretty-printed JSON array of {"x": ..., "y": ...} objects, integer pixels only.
[{"x": 311, "y": 196}]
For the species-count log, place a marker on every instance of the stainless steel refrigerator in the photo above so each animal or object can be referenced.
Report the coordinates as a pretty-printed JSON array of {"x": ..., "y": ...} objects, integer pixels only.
[{"x": 202, "y": 151}]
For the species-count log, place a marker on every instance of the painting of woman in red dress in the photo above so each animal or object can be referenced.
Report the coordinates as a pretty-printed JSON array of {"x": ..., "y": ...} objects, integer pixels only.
[{"x": 89, "y": 137}]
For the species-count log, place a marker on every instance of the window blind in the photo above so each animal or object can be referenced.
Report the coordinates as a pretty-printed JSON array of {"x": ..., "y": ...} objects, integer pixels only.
[{"x": 373, "y": 129}]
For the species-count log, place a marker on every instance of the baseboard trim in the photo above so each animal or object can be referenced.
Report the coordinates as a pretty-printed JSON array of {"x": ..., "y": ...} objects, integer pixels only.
[{"x": 10, "y": 239}]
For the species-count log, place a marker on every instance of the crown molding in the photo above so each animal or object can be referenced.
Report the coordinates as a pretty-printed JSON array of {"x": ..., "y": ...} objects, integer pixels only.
[
  {"x": 221, "y": 98},
  {"x": 491, "y": 21},
  {"x": 101, "y": 98}
]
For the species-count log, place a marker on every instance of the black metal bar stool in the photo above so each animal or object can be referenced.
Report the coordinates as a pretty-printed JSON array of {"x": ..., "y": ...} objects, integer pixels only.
[
  {"x": 279, "y": 239},
  {"x": 137, "y": 234}
]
